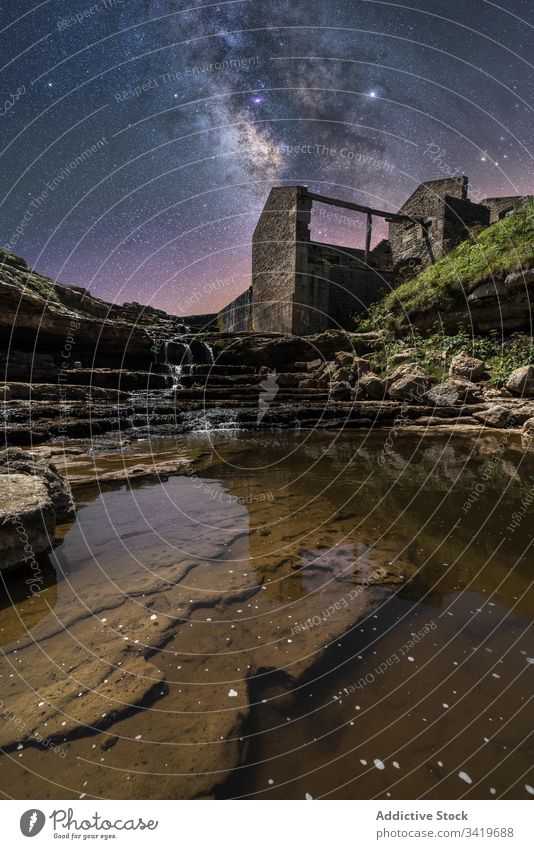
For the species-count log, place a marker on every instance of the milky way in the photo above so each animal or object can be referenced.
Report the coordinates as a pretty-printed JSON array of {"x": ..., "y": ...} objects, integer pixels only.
[{"x": 140, "y": 138}]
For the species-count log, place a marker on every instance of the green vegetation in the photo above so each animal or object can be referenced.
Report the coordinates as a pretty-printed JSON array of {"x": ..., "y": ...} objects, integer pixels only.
[
  {"x": 506, "y": 246},
  {"x": 434, "y": 353}
]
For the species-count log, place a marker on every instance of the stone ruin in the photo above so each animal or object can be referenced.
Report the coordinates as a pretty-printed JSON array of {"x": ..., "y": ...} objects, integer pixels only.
[{"x": 303, "y": 287}]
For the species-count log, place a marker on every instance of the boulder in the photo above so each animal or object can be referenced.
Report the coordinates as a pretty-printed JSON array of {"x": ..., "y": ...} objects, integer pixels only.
[
  {"x": 358, "y": 393},
  {"x": 17, "y": 461},
  {"x": 324, "y": 377},
  {"x": 497, "y": 289},
  {"x": 404, "y": 369},
  {"x": 342, "y": 375},
  {"x": 407, "y": 356},
  {"x": 528, "y": 427},
  {"x": 444, "y": 395},
  {"x": 359, "y": 367},
  {"x": 467, "y": 390},
  {"x": 308, "y": 383},
  {"x": 453, "y": 391},
  {"x": 412, "y": 387},
  {"x": 462, "y": 365},
  {"x": 494, "y": 416},
  {"x": 344, "y": 359},
  {"x": 373, "y": 387},
  {"x": 288, "y": 379},
  {"x": 521, "y": 381},
  {"x": 341, "y": 391},
  {"x": 27, "y": 518},
  {"x": 491, "y": 393}
]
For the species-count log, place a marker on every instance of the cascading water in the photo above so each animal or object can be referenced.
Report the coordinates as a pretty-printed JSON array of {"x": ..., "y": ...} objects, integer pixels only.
[
  {"x": 174, "y": 376},
  {"x": 209, "y": 349},
  {"x": 181, "y": 354},
  {"x": 176, "y": 370}
]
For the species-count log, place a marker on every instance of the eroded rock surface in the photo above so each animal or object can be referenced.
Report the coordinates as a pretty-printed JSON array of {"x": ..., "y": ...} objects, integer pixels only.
[
  {"x": 15, "y": 460},
  {"x": 27, "y": 518}
]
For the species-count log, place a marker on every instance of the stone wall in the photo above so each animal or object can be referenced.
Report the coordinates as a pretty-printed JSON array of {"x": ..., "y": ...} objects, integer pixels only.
[
  {"x": 407, "y": 240},
  {"x": 333, "y": 285},
  {"x": 500, "y": 207},
  {"x": 461, "y": 220},
  {"x": 283, "y": 224},
  {"x": 450, "y": 216},
  {"x": 237, "y": 316},
  {"x": 303, "y": 287}
]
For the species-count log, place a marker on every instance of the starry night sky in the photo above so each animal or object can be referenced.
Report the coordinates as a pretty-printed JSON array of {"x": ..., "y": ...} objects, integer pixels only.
[{"x": 184, "y": 114}]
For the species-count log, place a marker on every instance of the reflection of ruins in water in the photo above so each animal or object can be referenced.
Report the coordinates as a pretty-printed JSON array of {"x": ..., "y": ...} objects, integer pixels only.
[{"x": 345, "y": 508}]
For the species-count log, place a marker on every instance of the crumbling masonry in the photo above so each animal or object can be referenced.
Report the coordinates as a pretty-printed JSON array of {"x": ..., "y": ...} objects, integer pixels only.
[{"x": 304, "y": 287}]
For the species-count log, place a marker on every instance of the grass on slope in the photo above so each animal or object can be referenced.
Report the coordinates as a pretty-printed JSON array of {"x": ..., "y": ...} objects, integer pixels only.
[{"x": 506, "y": 246}]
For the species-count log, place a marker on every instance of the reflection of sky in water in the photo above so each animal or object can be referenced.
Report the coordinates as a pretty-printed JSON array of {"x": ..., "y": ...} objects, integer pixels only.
[
  {"x": 332, "y": 521},
  {"x": 181, "y": 517}
]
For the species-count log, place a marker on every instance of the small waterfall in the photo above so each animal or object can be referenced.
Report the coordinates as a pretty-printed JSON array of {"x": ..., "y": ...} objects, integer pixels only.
[
  {"x": 176, "y": 370},
  {"x": 209, "y": 349},
  {"x": 174, "y": 376}
]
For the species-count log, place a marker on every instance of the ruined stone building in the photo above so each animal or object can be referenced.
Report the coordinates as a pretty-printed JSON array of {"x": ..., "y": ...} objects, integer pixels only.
[{"x": 304, "y": 287}]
